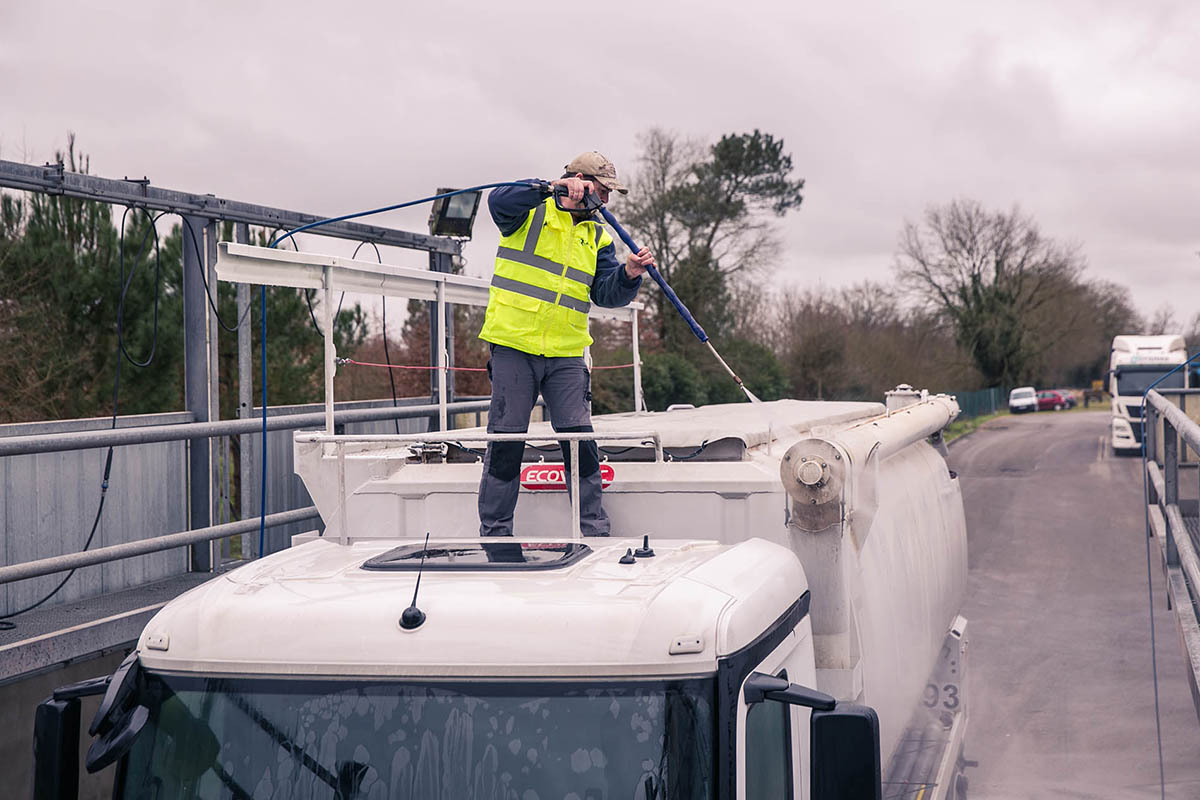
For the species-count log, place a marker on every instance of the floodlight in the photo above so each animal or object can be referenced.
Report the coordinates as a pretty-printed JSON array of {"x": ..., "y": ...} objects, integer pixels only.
[{"x": 454, "y": 216}]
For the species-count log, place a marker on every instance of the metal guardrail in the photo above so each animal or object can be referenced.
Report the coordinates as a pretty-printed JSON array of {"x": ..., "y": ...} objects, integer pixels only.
[
  {"x": 116, "y": 552},
  {"x": 1169, "y": 430},
  {"x": 339, "y": 443},
  {"x": 83, "y": 440},
  {"x": 55, "y": 442}
]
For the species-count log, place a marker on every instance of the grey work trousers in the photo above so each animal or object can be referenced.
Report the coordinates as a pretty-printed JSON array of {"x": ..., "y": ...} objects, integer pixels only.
[{"x": 565, "y": 383}]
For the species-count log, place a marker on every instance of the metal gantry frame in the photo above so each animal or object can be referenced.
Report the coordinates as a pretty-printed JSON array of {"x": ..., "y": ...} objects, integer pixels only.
[
  {"x": 200, "y": 214},
  {"x": 1172, "y": 445}
]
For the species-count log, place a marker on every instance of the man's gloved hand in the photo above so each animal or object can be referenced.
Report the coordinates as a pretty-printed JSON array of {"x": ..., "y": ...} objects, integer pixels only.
[
  {"x": 576, "y": 186},
  {"x": 637, "y": 263}
]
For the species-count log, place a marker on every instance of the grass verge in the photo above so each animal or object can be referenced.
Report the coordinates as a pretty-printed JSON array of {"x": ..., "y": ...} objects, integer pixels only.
[{"x": 961, "y": 427}]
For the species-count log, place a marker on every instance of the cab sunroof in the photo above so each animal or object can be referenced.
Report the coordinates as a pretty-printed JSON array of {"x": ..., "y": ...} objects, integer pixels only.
[{"x": 500, "y": 555}]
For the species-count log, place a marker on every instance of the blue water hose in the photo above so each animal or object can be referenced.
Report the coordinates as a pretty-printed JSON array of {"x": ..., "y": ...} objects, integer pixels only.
[
  {"x": 675, "y": 301},
  {"x": 658, "y": 278}
]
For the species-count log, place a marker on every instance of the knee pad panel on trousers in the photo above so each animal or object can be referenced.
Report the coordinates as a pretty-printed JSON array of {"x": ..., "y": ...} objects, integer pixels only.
[
  {"x": 589, "y": 456},
  {"x": 505, "y": 460}
]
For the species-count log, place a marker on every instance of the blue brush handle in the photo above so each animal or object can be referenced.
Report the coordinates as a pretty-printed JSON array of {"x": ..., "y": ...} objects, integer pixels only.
[{"x": 662, "y": 284}]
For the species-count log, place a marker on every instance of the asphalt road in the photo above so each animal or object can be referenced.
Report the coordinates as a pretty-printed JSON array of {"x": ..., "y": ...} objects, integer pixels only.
[{"x": 1061, "y": 683}]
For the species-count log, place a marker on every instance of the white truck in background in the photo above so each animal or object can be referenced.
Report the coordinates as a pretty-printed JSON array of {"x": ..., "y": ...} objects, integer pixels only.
[
  {"x": 1134, "y": 364},
  {"x": 778, "y": 619}
]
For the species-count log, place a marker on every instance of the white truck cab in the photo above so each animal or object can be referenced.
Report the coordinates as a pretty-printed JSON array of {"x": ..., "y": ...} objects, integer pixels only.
[
  {"x": 1135, "y": 363},
  {"x": 532, "y": 669}
]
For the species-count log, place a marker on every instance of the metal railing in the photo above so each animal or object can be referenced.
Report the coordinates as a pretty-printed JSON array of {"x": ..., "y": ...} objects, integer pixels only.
[
  {"x": 84, "y": 440},
  {"x": 339, "y": 442},
  {"x": 1169, "y": 434},
  {"x": 56, "y": 442}
]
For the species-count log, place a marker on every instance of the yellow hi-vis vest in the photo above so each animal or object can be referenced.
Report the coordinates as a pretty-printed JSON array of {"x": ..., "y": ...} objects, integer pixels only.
[{"x": 539, "y": 298}]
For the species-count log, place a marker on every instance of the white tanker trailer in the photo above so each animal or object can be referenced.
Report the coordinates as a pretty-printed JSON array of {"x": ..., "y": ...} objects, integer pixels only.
[{"x": 775, "y": 616}]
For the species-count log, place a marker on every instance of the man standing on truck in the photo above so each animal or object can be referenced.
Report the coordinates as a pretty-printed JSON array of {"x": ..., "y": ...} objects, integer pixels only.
[{"x": 550, "y": 267}]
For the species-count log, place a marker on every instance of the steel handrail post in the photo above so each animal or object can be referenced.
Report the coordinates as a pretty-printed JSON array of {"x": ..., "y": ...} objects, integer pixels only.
[
  {"x": 1170, "y": 498},
  {"x": 344, "y": 533},
  {"x": 638, "y": 402},
  {"x": 576, "y": 505},
  {"x": 1150, "y": 431},
  {"x": 442, "y": 372},
  {"x": 330, "y": 350},
  {"x": 245, "y": 370}
]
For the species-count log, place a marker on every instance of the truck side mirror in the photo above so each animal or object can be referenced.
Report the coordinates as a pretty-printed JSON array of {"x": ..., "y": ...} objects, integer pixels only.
[
  {"x": 844, "y": 739},
  {"x": 56, "y": 740},
  {"x": 760, "y": 686},
  {"x": 118, "y": 720},
  {"x": 116, "y": 696},
  {"x": 56, "y": 750},
  {"x": 844, "y": 753}
]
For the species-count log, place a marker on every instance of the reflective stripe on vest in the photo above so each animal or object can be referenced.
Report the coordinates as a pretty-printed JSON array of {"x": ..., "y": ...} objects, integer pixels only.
[
  {"x": 527, "y": 257},
  {"x": 541, "y": 287},
  {"x": 537, "y": 292}
]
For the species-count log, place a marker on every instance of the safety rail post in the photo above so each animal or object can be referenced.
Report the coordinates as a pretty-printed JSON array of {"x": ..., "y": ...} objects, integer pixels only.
[
  {"x": 443, "y": 373},
  {"x": 344, "y": 533},
  {"x": 330, "y": 351},
  {"x": 576, "y": 505},
  {"x": 438, "y": 263},
  {"x": 1150, "y": 437},
  {"x": 195, "y": 381},
  {"x": 1170, "y": 485},
  {"x": 216, "y": 490},
  {"x": 241, "y": 234},
  {"x": 638, "y": 403}
]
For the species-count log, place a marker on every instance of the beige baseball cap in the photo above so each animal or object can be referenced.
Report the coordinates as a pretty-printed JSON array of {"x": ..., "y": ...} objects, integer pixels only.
[{"x": 598, "y": 167}]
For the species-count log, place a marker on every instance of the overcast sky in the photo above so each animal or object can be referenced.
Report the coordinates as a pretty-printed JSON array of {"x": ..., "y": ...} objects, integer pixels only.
[{"x": 1085, "y": 114}]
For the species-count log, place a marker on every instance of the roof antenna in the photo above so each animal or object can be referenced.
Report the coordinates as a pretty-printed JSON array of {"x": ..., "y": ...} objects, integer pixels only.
[{"x": 413, "y": 617}]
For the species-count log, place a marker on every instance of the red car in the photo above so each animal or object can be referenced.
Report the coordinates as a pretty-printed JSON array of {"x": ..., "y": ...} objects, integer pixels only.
[{"x": 1051, "y": 400}]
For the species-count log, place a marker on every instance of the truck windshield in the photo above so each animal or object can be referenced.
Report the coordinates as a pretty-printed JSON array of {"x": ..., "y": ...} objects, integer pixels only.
[
  {"x": 1137, "y": 381},
  {"x": 254, "y": 738}
]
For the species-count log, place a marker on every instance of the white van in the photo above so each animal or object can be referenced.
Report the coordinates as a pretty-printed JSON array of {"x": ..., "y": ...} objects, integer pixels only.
[{"x": 1022, "y": 399}]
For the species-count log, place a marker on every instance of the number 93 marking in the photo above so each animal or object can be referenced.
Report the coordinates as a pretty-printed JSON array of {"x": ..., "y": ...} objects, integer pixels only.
[{"x": 947, "y": 696}]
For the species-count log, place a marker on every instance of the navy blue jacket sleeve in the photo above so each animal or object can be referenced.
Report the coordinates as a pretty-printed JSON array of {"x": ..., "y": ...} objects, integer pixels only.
[
  {"x": 612, "y": 288},
  {"x": 510, "y": 205}
]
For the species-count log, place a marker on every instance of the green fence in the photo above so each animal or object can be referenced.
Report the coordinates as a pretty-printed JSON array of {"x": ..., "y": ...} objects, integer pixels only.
[{"x": 984, "y": 401}]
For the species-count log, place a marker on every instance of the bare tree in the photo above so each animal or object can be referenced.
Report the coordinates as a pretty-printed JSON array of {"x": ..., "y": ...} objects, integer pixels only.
[
  {"x": 989, "y": 274},
  {"x": 1163, "y": 321},
  {"x": 857, "y": 343},
  {"x": 1193, "y": 332}
]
